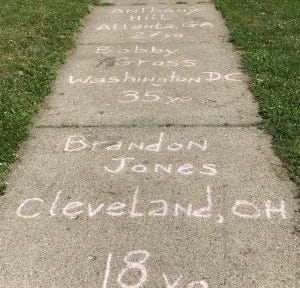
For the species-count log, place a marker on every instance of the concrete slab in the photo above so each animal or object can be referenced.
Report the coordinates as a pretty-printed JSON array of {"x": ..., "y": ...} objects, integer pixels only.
[
  {"x": 154, "y": 24},
  {"x": 133, "y": 84},
  {"x": 223, "y": 242}
]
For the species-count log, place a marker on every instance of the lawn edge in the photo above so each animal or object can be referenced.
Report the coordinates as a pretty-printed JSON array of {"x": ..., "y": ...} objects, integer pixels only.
[
  {"x": 4, "y": 176},
  {"x": 264, "y": 126}
]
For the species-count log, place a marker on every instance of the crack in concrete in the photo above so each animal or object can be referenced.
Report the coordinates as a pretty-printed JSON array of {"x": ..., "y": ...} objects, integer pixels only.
[
  {"x": 143, "y": 43},
  {"x": 111, "y": 126}
]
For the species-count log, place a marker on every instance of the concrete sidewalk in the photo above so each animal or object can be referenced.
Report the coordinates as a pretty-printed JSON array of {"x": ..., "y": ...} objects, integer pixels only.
[{"x": 146, "y": 168}]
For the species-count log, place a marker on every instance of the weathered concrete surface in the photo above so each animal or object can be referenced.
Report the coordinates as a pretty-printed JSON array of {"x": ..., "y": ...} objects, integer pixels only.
[
  {"x": 61, "y": 252},
  {"x": 72, "y": 212},
  {"x": 211, "y": 100}
]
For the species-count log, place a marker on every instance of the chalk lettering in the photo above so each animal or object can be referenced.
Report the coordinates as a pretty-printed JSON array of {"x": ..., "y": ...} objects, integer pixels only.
[
  {"x": 112, "y": 209},
  {"x": 137, "y": 49},
  {"x": 156, "y": 10},
  {"x": 75, "y": 143},
  {"x": 71, "y": 206},
  {"x": 271, "y": 209},
  {"x": 205, "y": 212},
  {"x": 121, "y": 165},
  {"x": 198, "y": 284},
  {"x": 158, "y": 34},
  {"x": 23, "y": 204},
  {"x": 54, "y": 204},
  {"x": 135, "y": 268},
  {"x": 138, "y": 207},
  {"x": 94, "y": 211},
  {"x": 78, "y": 143},
  {"x": 122, "y": 27},
  {"x": 197, "y": 24},
  {"x": 185, "y": 169},
  {"x": 160, "y": 17},
  {"x": 124, "y": 61},
  {"x": 156, "y": 81},
  {"x": 134, "y": 265},
  {"x": 133, "y": 213},
  {"x": 245, "y": 204},
  {"x": 175, "y": 283},
  {"x": 162, "y": 211}
]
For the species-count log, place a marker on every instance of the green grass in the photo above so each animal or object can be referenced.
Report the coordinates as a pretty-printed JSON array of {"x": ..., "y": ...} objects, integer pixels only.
[
  {"x": 268, "y": 34},
  {"x": 35, "y": 36}
]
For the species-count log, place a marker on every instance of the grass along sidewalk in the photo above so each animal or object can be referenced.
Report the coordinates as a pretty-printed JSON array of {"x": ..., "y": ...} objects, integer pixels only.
[
  {"x": 35, "y": 36},
  {"x": 268, "y": 34}
]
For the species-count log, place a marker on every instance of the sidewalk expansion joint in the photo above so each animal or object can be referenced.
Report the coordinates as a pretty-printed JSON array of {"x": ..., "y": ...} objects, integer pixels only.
[
  {"x": 153, "y": 4},
  {"x": 143, "y": 43},
  {"x": 167, "y": 125}
]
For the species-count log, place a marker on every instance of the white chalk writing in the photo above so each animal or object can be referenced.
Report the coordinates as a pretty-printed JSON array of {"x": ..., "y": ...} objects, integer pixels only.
[
  {"x": 77, "y": 143},
  {"x": 137, "y": 49},
  {"x": 150, "y": 97},
  {"x": 136, "y": 263},
  {"x": 153, "y": 10},
  {"x": 157, "y": 26},
  {"x": 35, "y": 208},
  {"x": 209, "y": 77}
]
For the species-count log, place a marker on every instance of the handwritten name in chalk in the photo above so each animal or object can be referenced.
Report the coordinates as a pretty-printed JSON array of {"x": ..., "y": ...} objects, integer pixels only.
[
  {"x": 124, "y": 61},
  {"x": 137, "y": 261},
  {"x": 155, "y": 10},
  {"x": 149, "y": 17},
  {"x": 137, "y": 49},
  {"x": 157, "y": 26},
  {"x": 76, "y": 143},
  {"x": 137, "y": 208},
  {"x": 175, "y": 78},
  {"x": 124, "y": 164}
]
